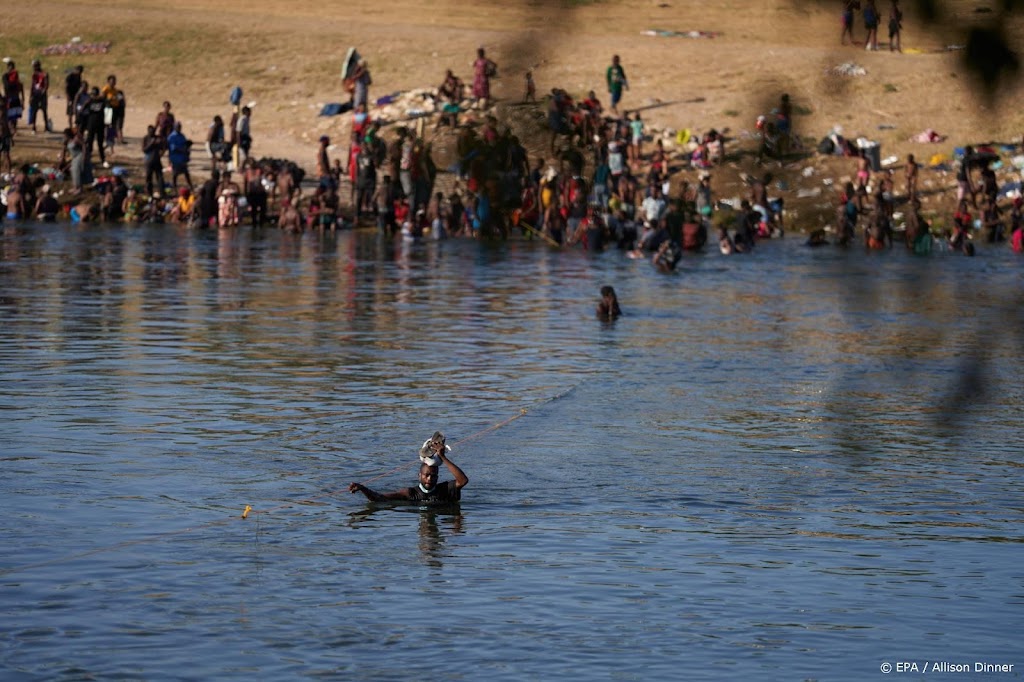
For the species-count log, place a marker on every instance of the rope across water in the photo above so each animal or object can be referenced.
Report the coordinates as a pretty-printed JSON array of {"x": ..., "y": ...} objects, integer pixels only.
[{"x": 248, "y": 511}]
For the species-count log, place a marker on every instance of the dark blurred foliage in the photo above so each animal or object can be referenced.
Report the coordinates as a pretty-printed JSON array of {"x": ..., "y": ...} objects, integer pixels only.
[{"x": 988, "y": 60}]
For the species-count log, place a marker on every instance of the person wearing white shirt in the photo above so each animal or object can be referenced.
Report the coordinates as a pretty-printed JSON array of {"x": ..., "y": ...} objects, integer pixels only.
[{"x": 654, "y": 207}]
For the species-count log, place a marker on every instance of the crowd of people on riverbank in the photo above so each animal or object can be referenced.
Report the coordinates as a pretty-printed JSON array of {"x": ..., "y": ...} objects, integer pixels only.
[
  {"x": 596, "y": 187},
  {"x": 600, "y": 184},
  {"x": 95, "y": 116},
  {"x": 869, "y": 208}
]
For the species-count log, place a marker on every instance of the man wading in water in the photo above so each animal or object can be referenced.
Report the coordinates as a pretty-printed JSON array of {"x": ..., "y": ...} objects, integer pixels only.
[{"x": 433, "y": 452}]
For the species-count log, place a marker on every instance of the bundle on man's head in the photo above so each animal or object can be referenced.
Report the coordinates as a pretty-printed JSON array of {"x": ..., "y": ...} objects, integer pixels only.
[{"x": 431, "y": 447}]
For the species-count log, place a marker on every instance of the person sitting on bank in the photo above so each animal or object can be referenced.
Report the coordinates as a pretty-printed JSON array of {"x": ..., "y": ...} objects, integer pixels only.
[{"x": 429, "y": 491}]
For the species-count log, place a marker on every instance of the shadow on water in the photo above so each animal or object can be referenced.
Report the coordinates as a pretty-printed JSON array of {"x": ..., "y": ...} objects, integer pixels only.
[
  {"x": 435, "y": 526},
  {"x": 963, "y": 319}
]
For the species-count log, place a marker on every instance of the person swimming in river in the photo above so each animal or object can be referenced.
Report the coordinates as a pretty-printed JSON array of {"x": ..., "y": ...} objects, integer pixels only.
[
  {"x": 667, "y": 256},
  {"x": 428, "y": 491},
  {"x": 608, "y": 307}
]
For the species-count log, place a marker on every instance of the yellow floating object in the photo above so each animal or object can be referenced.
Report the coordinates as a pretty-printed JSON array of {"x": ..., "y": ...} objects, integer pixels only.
[
  {"x": 245, "y": 512},
  {"x": 683, "y": 136}
]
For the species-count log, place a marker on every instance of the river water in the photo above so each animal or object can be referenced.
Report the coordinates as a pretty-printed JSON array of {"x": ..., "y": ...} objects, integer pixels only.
[{"x": 797, "y": 464}]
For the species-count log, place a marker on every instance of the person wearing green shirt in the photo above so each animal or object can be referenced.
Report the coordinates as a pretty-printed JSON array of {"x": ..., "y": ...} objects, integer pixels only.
[{"x": 616, "y": 78}]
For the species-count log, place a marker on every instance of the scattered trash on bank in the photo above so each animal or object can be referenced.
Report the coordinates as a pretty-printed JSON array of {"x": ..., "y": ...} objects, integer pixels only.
[
  {"x": 848, "y": 69},
  {"x": 660, "y": 33}
]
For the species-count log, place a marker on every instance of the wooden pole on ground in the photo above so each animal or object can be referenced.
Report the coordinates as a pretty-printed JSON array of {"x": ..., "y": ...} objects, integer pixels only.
[
  {"x": 534, "y": 230},
  {"x": 235, "y": 148}
]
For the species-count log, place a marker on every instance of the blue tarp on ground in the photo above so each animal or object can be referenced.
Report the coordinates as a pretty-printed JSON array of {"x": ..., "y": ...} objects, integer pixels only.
[{"x": 335, "y": 108}]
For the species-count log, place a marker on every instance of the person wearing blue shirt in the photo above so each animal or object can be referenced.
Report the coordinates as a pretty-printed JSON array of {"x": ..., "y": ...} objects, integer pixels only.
[{"x": 178, "y": 153}]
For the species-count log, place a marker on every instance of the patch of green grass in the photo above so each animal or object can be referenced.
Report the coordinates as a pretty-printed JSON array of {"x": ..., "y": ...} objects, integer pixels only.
[
  {"x": 149, "y": 62},
  {"x": 171, "y": 53},
  {"x": 731, "y": 113},
  {"x": 17, "y": 45},
  {"x": 889, "y": 87},
  {"x": 801, "y": 110}
]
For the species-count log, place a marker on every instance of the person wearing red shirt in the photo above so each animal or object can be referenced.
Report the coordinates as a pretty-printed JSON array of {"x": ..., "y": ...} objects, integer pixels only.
[{"x": 39, "y": 96}]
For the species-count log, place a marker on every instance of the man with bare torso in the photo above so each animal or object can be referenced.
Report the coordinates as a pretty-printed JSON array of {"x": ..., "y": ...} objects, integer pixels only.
[
  {"x": 287, "y": 188},
  {"x": 910, "y": 172}
]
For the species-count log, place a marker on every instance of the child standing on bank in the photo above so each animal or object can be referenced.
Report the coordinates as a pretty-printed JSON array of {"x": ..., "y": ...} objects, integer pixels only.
[
  {"x": 636, "y": 131},
  {"x": 530, "y": 94},
  {"x": 895, "y": 26},
  {"x": 871, "y": 25}
]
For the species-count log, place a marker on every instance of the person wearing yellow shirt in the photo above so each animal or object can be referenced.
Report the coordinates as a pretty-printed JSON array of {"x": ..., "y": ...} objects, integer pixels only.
[
  {"x": 114, "y": 97},
  {"x": 184, "y": 206}
]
